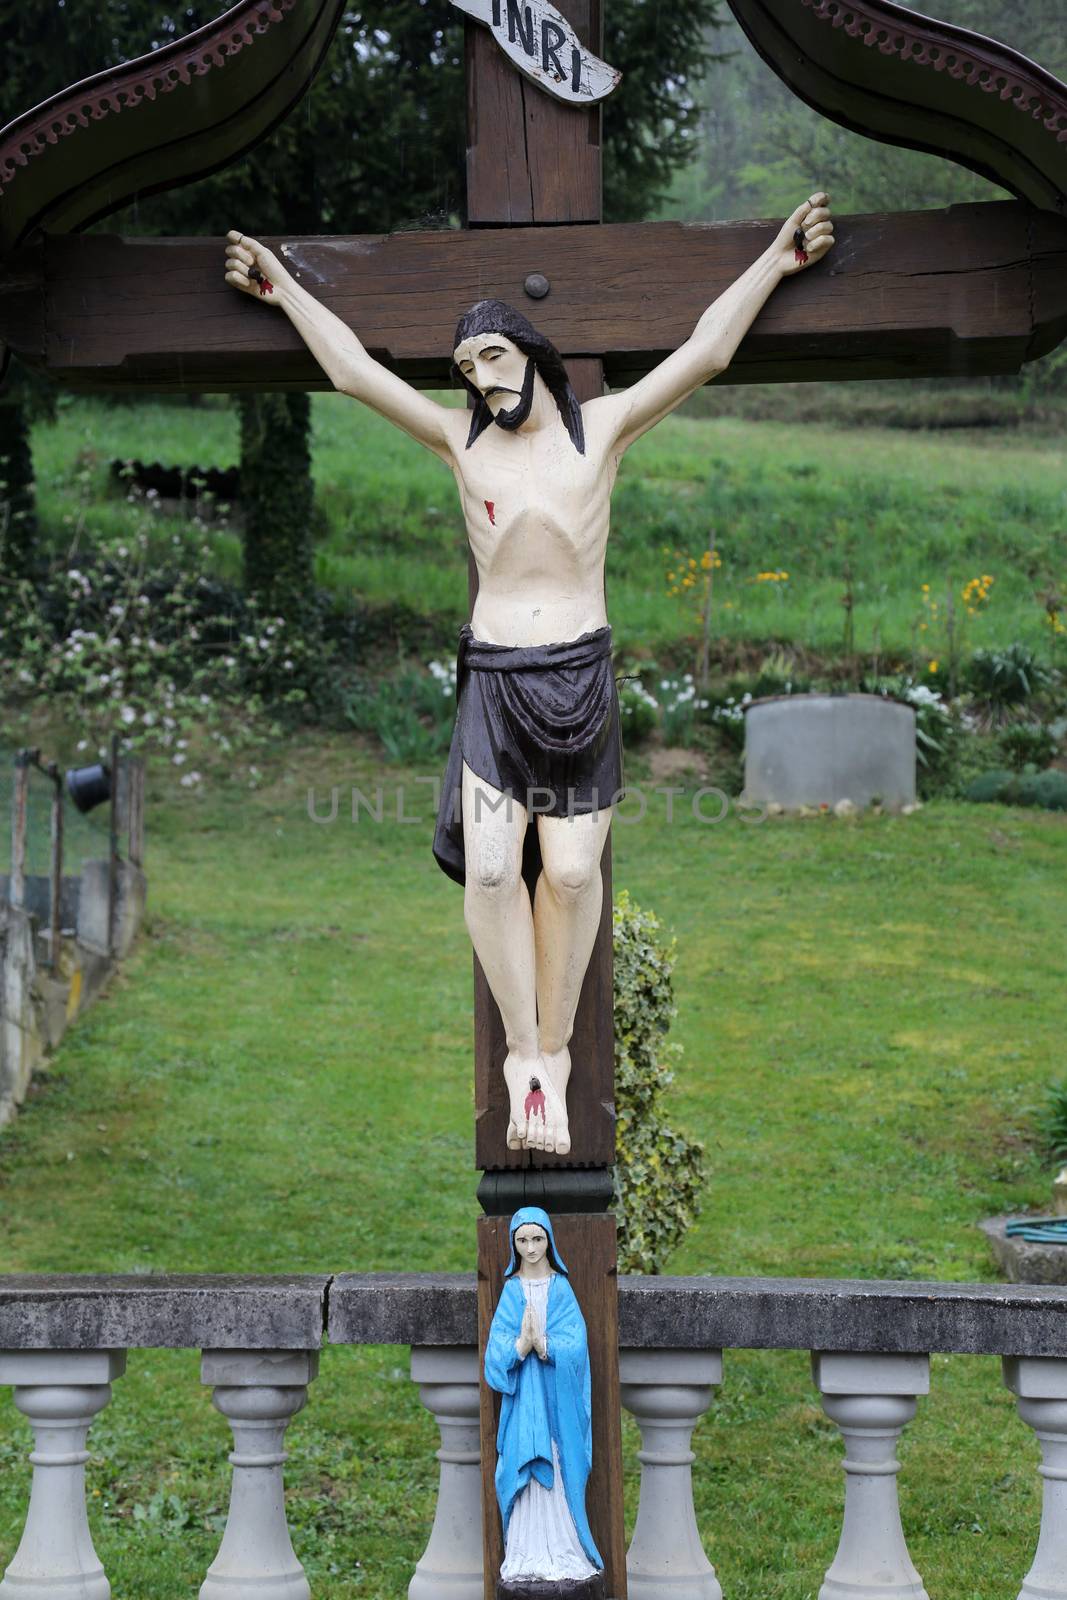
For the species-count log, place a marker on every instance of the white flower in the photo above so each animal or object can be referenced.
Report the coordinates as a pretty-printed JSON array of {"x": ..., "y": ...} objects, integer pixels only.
[
  {"x": 149, "y": 719},
  {"x": 83, "y": 744},
  {"x": 189, "y": 778},
  {"x": 178, "y": 759},
  {"x": 181, "y": 744},
  {"x": 205, "y": 699},
  {"x": 25, "y": 677},
  {"x": 128, "y": 714}
]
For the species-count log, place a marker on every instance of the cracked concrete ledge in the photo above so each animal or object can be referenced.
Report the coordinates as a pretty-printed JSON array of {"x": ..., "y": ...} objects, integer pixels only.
[{"x": 282, "y": 1312}]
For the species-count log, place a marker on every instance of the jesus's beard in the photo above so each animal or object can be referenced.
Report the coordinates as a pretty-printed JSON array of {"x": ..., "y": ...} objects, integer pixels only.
[{"x": 510, "y": 420}]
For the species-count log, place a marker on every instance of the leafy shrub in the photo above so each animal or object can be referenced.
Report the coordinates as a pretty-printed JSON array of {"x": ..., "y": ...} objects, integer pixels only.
[
  {"x": 1046, "y": 790},
  {"x": 659, "y": 1173},
  {"x": 1027, "y": 744},
  {"x": 638, "y": 711},
  {"x": 1051, "y": 1121},
  {"x": 411, "y": 714},
  {"x": 1000, "y": 679},
  {"x": 989, "y": 788}
]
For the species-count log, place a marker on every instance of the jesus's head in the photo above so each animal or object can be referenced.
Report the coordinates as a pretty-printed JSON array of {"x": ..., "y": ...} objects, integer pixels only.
[{"x": 499, "y": 357}]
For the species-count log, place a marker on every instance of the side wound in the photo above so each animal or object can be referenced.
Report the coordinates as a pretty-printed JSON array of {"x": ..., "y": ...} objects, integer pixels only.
[{"x": 489, "y": 504}]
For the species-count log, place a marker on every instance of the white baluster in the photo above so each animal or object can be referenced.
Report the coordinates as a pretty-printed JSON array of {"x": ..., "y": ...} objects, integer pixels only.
[
  {"x": 668, "y": 1392},
  {"x": 258, "y": 1392},
  {"x": 871, "y": 1398},
  {"x": 1040, "y": 1382},
  {"x": 60, "y": 1391},
  {"x": 450, "y": 1567}
]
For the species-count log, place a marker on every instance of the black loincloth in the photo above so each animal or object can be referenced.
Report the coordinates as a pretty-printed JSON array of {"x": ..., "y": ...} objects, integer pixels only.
[{"x": 539, "y": 723}]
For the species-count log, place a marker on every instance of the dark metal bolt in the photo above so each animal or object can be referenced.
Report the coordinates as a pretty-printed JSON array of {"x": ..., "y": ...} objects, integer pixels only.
[{"x": 537, "y": 286}]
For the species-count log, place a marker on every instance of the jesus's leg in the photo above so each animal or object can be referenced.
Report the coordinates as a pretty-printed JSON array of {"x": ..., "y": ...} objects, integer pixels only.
[
  {"x": 496, "y": 907},
  {"x": 567, "y": 906}
]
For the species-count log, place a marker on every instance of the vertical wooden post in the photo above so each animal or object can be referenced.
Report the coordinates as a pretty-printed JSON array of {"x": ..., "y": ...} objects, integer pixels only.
[{"x": 531, "y": 159}]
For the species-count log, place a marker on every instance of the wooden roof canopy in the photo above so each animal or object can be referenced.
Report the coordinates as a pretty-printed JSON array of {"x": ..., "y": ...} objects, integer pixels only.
[
  {"x": 899, "y": 77},
  {"x": 976, "y": 289}
]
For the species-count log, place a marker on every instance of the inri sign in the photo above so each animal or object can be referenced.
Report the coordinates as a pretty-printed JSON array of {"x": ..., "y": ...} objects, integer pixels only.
[{"x": 544, "y": 46}]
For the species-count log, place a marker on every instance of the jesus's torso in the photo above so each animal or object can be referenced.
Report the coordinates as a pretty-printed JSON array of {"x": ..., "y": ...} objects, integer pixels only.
[{"x": 537, "y": 515}]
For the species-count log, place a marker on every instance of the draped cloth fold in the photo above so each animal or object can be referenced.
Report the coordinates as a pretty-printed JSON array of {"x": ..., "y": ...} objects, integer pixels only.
[{"x": 539, "y": 723}]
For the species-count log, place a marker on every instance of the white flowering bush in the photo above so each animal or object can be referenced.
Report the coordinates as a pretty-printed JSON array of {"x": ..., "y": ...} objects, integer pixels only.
[
  {"x": 679, "y": 707},
  {"x": 674, "y": 706},
  {"x": 729, "y": 717},
  {"x": 638, "y": 711},
  {"x": 164, "y": 656},
  {"x": 939, "y": 732}
]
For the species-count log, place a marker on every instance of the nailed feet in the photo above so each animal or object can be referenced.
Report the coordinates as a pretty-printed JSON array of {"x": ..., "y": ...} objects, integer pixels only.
[{"x": 538, "y": 1112}]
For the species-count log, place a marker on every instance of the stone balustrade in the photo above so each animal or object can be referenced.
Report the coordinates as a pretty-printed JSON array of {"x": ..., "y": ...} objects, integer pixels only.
[{"x": 64, "y": 1343}]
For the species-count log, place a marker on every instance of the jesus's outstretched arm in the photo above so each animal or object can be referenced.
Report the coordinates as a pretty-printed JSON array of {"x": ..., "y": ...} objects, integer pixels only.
[
  {"x": 257, "y": 271},
  {"x": 710, "y": 348}
]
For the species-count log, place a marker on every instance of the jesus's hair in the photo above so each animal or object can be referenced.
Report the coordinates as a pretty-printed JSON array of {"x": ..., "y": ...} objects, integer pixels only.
[{"x": 496, "y": 316}]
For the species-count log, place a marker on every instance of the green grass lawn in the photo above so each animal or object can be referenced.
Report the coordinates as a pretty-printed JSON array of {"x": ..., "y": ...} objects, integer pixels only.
[
  {"x": 280, "y": 1079},
  {"x": 897, "y": 510}
]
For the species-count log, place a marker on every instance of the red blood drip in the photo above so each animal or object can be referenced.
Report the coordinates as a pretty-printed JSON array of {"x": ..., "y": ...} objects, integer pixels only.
[
  {"x": 801, "y": 256},
  {"x": 489, "y": 504},
  {"x": 266, "y": 287}
]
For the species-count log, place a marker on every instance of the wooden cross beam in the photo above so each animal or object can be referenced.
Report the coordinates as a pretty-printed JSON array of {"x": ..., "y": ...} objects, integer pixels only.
[{"x": 970, "y": 290}]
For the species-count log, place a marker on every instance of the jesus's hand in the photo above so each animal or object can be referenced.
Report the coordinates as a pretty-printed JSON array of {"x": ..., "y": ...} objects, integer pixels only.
[
  {"x": 254, "y": 269},
  {"x": 805, "y": 237}
]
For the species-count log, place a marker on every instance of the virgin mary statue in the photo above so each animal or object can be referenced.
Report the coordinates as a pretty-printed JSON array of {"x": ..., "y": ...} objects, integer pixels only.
[{"x": 537, "y": 1358}]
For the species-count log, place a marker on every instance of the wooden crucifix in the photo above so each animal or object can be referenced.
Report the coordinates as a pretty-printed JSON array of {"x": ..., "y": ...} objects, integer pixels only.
[{"x": 978, "y": 289}]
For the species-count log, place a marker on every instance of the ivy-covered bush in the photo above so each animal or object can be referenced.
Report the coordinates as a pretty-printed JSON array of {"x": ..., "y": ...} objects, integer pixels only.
[{"x": 659, "y": 1172}]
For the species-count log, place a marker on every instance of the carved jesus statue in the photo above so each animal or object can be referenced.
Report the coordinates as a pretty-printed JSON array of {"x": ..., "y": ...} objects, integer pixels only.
[{"x": 537, "y": 737}]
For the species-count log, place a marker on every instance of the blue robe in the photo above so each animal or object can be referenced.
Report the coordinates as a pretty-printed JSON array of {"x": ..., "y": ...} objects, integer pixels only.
[{"x": 542, "y": 1400}]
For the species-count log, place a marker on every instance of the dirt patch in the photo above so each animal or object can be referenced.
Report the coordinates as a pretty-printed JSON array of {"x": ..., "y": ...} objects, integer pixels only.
[{"x": 670, "y": 762}]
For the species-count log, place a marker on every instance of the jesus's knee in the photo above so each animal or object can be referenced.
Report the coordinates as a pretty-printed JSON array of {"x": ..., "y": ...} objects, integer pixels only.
[
  {"x": 572, "y": 879},
  {"x": 493, "y": 874}
]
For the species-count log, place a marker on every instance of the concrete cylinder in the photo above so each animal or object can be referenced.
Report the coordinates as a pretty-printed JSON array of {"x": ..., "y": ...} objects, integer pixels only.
[{"x": 817, "y": 749}]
